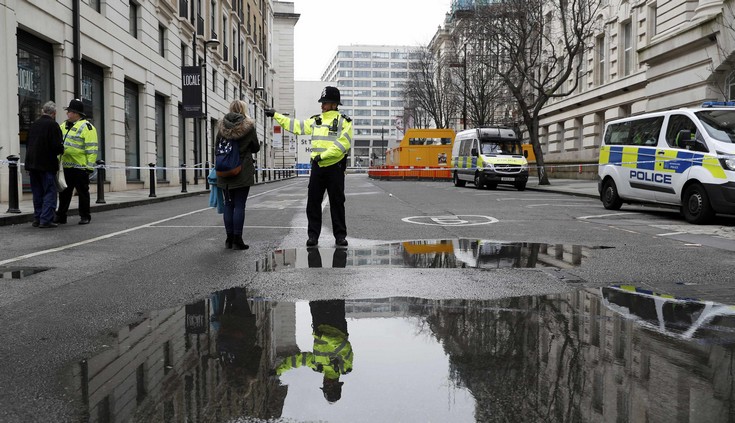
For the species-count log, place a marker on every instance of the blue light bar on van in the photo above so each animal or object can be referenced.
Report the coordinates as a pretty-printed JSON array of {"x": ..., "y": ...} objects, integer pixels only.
[{"x": 718, "y": 104}]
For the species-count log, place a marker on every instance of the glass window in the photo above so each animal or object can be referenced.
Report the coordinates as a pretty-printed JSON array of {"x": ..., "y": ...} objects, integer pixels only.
[
  {"x": 627, "y": 48},
  {"x": 344, "y": 74},
  {"x": 381, "y": 55},
  {"x": 399, "y": 65},
  {"x": 381, "y": 122},
  {"x": 132, "y": 131},
  {"x": 678, "y": 123},
  {"x": 381, "y": 112},
  {"x": 381, "y": 93},
  {"x": 362, "y": 112},
  {"x": 344, "y": 54},
  {"x": 397, "y": 103},
  {"x": 347, "y": 102},
  {"x": 160, "y": 137},
  {"x": 344, "y": 64},
  {"x": 362, "y": 64},
  {"x": 380, "y": 103},
  {"x": 162, "y": 40},
  {"x": 363, "y": 74},
  {"x": 397, "y": 55},
  {"x": 35, "y": 87},
  {"x": 93, "y": 99},
  {"x": 363, "y": 103},
  {"x": 403, "y": 75},
  {"x": 362, "y": 54},
  {"x": 719, "y": 125},
  {"x": 133, "y": 19},
  {"x": 345, "y": 83},
  {"x": 362, "y": 93},
  {"x": 380, "y": 64},
  {"x": 380, "y": 84},
  {"x": 381, "y": 74},
  {"x": 362, "y": 83}
]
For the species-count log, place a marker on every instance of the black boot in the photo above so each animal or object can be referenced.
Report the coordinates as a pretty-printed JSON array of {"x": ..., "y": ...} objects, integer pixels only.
[
  {"x": 228, "y": 241},
  {"x": 238, "y": 243}
]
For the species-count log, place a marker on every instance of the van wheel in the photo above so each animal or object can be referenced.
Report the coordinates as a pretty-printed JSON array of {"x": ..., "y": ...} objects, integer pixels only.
[
  {"x": 457, "y": 182},
  {"x": 478, "y": 180},
  {"x": 695, "y": 205},
  {"x": 520, "y": 186},
  {"x": 609, "y": 196}
]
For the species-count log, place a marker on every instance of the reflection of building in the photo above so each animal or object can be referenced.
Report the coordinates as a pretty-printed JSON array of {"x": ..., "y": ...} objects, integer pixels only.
[
  {"x": 569, "y": 358},
  {"x": 167, "y": 367},
  {"x": 438, "y": 254}
]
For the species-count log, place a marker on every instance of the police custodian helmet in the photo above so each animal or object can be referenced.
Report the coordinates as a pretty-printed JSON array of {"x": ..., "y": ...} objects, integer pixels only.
[{"x": 330, "y": 95}]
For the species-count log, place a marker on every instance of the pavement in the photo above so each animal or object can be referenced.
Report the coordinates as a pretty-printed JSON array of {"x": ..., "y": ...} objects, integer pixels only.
[{"x": 139, "y": 197}]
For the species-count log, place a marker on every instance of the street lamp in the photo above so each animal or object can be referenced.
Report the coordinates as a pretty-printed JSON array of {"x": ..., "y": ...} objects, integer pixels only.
[
  {"x": 265, "y": 144},
  {"x": 213, "y": 42}
]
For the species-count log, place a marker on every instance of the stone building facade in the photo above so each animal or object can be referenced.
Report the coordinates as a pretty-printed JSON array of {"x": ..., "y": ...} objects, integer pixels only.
[{"x": 130, "y": 55}]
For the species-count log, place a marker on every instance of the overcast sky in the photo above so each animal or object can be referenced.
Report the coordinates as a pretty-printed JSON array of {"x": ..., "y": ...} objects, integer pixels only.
[{"x": 324, "y": 25}]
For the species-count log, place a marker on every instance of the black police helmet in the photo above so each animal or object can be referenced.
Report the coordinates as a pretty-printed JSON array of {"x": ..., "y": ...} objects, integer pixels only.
[
  {"x": 330, "y": 95},
  {"x": 76, "y": 106}
]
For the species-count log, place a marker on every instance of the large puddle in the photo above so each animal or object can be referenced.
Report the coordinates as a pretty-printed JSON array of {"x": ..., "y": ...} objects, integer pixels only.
[
  {"x": 457, "y": 253},
  {"x": 611, "y": 354}
]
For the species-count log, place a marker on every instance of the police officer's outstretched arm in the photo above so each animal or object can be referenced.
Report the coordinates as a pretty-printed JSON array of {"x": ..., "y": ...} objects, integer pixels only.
[{"x": 295, "y": 126}]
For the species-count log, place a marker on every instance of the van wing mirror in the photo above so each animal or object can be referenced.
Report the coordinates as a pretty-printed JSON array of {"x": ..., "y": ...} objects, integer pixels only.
[
  {"x": 473, "y": 152},
  {"x": 684, "y": 139}
]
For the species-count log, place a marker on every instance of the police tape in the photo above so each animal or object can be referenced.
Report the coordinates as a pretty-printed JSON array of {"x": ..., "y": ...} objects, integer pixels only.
[{"x": 391, "y": 168}]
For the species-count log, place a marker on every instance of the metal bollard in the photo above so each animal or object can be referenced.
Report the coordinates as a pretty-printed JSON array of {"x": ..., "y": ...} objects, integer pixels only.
[
  {"x": 196, "y": 175},
  {"x": 152, "y": 179},
  {"x": 183, "y": 177},
  {"x": 13, "y": 184},
  {"x": 206, "y": 176},
  {"x": 101, "y": 177}
]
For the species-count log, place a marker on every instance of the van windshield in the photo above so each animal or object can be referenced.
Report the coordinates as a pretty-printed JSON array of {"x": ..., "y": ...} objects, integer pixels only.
[
  {"x": 719, "y": 124},
  {"x": 501, "y": 147}
]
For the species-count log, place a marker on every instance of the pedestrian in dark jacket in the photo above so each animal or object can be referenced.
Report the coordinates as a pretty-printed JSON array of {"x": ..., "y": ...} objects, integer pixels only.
[
  {"x": 237, "y": 126},
  {"x": 45, "y": 144}
]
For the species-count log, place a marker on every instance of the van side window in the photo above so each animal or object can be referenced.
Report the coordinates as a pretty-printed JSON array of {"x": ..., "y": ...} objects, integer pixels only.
[
  {"x": 646, "y": 131},
  {"x": 641, "y": 132},
  {"x": 679, "y": 123},
  {"x": 465, "y": 148}
]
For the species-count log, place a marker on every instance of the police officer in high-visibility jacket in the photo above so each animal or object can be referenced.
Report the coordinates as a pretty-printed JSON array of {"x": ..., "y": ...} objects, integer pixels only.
[
  {"x": 78, "y": 160},
  {"x": 331, "y": 138}
]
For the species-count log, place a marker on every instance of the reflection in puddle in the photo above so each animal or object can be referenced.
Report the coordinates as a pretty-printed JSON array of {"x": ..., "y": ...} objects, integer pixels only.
[
  {"x": 612, "y": 354},
  {"x": 19, "y": 272},
  {"x": 458, "y": 253}
]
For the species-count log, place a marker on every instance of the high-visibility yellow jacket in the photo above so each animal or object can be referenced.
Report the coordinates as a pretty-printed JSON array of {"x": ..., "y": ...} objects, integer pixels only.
[
  {"x": 331, "y": 134},
  {"x": 332, "y": 354},
  {"x": 80, "y": 145}
]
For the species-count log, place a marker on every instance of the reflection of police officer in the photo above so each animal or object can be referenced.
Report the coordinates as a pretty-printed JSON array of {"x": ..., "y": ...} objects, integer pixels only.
[
  {"x": 332, "y": 352},
  {"x": 331, "y": 137}
]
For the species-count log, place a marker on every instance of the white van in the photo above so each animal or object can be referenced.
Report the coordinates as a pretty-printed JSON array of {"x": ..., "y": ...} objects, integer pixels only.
[
  {"x": 488, "y": 157},
  {"x": 684, "y": 158}
]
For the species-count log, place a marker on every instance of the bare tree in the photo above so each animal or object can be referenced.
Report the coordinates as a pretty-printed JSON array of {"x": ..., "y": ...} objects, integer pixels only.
[
  {"x": 483, "y": 96},
  {"x": 535, "y": 47},
  {"x": 428, "y": 90}
]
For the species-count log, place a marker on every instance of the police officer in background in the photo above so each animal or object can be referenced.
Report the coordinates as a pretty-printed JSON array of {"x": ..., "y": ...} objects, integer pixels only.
[
  {"x": 331, "y": 137},
  {"x": 80, "y": 155}
]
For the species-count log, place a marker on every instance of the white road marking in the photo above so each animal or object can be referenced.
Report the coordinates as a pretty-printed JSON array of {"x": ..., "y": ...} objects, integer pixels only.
[
  {"x": 113, "y": 234},
  {"x": 222, "y": 226},
  {"x": 671, "y": 234},
  {"x": 606, "y": 215}
]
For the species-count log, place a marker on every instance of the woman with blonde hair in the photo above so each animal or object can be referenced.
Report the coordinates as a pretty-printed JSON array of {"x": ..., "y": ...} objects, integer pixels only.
[{"x": 237, "y": 129}]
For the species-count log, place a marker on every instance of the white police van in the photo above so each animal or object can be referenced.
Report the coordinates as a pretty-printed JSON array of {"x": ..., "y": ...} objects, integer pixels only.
[
  {"x": 488, "y": 157},
  {"x": 684, "y": 158}
]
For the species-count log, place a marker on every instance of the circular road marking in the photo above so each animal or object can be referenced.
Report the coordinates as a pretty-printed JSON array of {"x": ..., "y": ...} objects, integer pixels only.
[{"x": 451, "y": 220}]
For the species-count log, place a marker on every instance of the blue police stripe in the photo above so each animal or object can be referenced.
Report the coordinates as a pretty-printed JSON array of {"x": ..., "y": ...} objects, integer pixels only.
[
  {"x": 647, "y": 158},
  {"x": 616, "y": 155},
  {"x": 474, "y": 162}
]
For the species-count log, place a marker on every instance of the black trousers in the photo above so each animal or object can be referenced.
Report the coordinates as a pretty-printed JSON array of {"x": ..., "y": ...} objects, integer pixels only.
[
  {"x": 79, "y": 179},
  {"x": 332, "y": 180}
]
